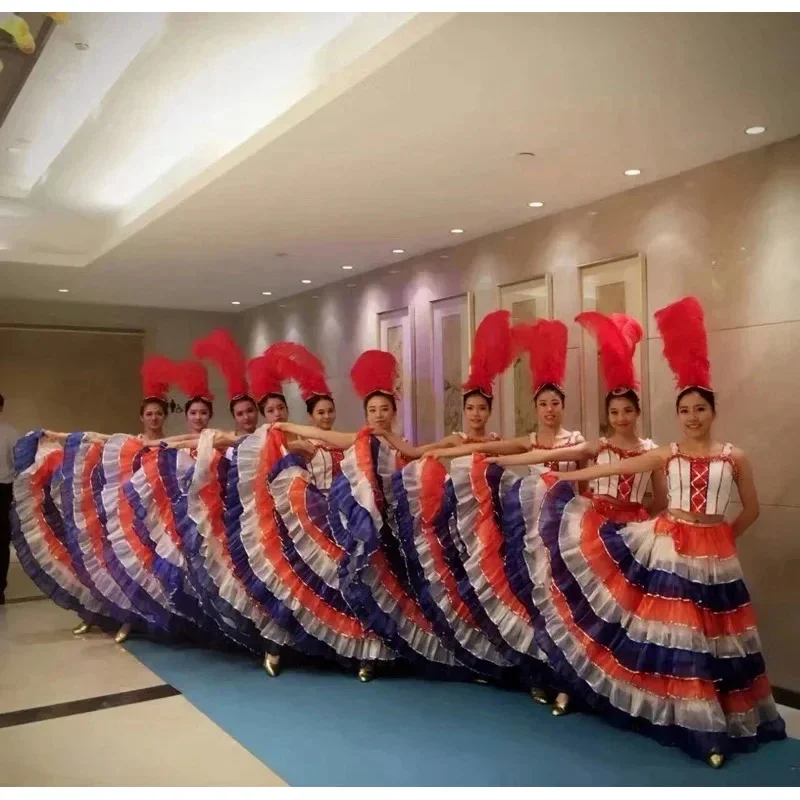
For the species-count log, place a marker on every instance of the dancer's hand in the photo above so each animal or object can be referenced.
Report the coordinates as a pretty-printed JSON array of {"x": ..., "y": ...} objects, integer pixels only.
[
  {"x": 303, "y": 447},
  {"x": 501, "y": 461}
]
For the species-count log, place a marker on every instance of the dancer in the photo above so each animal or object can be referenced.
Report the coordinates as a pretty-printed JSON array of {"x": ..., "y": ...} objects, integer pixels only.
[
  {"x": 192, "y": 377},
  {"x": 651, "y": 621},
  {"x": 619, "y": 499}
]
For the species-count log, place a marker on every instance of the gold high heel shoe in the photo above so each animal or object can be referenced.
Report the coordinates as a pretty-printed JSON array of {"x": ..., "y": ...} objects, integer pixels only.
[
  {"x": 715, "y": 760},
  {"x": 123, "y": 633},
  {"x": 366, "y": 672},
  {"x": 84, "y": 627},
  {"x": 539, "y": 696},
  {"x": 561, "y": 705},
  {"x": 272, "y": 664}
]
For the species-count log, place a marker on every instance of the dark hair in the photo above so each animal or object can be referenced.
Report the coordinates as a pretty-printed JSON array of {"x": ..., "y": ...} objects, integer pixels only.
[
  {"x": 479, "y": 393},
  {"x": 2, "y": 401},
  {"x": 630, "y": 396},
  {"x": 241, "y": 399},
  {"x": 205, "y": 401},
  {"x": 389, "y": 397},
  {"x": 159, "y": 401},
  {"x": 312, "y": 401},
  {"x": 551, "y": 387},
  {"x": 706, "y": 394},
  {"x": 267, "y": 397}
]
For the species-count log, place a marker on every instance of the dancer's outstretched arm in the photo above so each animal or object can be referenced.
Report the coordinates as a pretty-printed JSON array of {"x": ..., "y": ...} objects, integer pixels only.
[
  {"x": 577, "y": 453},
  {"x": 647, "y": 462},
  {"x": 333, "y": 438},
  {"x": 503, "y": 447}
]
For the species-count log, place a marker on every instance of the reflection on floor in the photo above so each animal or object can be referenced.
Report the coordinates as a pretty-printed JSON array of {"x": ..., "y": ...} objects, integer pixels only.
[{"x": 181, "y": 716}]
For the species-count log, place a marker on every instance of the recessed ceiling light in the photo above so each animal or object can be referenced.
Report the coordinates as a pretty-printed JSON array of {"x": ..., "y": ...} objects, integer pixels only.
[
  {"x": 444, "y": 256},
  {"x": 305, "y": 280},
  {"x": 397, "y": 251},
  {"x": 456, "y": 230},
  {"x": 346, "y": 266},
  {"x": 593, "y": 213},
  {"x": 393, "y": 271},
  {"x": 64, "y": 291},
  {"x": 755, "y": 130},
  {"x": 536, "y": 204},
  {"x": 282, "y": 305},
  {"x": 14, "y": 150},
  {"x": 266, "y": 294},
  {"x": 81, "y": 46},
  {"x": 315, "y": 297},
  {"x": 350, "y": 285},
  {"x": 632, "y": 173},
  {"x": 235, "y": 303}
]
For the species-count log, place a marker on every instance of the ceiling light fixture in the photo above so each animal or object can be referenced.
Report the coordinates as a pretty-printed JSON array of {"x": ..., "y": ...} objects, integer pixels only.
[
  {"x": 305, "y": 280},
  {"x": 346, "y": 266},
  {"x": 632, "y": 173},
  {"x": 755, "y": 130},
  {"x": 235, "y": 303},
  {"x": 536, "y": 204},
  {"x": 397, "y": 251},
  {"x": 350, "y": 285},
  {"x": 64, "y": 291},
  {"x": 456, "y": 230},
  {"x": 266, "y": 294}
]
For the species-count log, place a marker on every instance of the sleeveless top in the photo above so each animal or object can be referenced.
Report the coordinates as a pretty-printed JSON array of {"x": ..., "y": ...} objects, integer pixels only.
[
  {"x": 572, "y": 438},
  {"x": 700, "y": 484},
  {"x": 628, "y": 488},
  {"x": 325, "y": 464}
]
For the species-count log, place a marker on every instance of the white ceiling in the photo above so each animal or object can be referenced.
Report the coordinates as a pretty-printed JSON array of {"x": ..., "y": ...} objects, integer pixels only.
[{"x": 187, "y": 157}]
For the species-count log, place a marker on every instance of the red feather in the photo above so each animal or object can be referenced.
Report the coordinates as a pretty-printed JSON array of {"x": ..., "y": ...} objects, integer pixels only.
[
  {"x": 683, "y": 331},
  {"x": 374, "y": 371},
  {"x": 158, "y": 372},
  {"x": 546, "y": 344},
  {"x": 264, "y": 378},
  {"x": 192, "y": 377},
  {"x": 492, "y": 352},
  {"x": 297, "y": 363},
  {"x": 220, "y": 348},
  {"x": 617, "y": 336}
]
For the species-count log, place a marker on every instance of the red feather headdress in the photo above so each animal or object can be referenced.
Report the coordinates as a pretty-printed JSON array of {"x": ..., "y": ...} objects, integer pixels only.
[
  {"x": 617, "y": 336},
  {"x": 374, "y": 371},
  {"x": 192, "y": 377},
  {"x": 158, "y": 372},
  {"x": 683, "y": 331},
  {"x": 264, "y": 377},
  {"x": 492, "y": 352},
  {"x": 546, "y": 344},
  {"x": 220, "y": 348},
  {"x": 294, "y": 362}
]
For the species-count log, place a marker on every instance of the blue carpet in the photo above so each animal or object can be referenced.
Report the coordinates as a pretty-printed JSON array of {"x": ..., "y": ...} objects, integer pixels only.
[{"x": 324, "y": 728}]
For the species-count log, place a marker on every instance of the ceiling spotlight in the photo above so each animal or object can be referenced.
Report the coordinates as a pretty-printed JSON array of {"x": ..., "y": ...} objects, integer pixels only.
[
  {"x": 64, "y": 291},
  {"x": 350, "y": 285},
  {"x": 266, "y": 294},
  {"x": 347, "y": 266},
  {"x": 235, "y": 303},
  {"x": 456, "y": 230},
  {"x": 393, "y": 271},
  {"x": 755, "y": 130},
  {"x": 397, "y": 251},
  {"x": 632, "y": 173},
  {"x": 81, "y": 46},
  {"x": 305, "y": 280},
  {"x": 536, "y": 204},
  {"x": 282, "y": 305}
]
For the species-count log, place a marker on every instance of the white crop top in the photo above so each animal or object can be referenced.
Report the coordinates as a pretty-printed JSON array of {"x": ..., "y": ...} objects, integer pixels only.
[
  {"x": 629, "y": 488},
  {"x": 569, "y": 440},
  {"x": 700, "y": 484},
  {"x": 325, "y": 464}
]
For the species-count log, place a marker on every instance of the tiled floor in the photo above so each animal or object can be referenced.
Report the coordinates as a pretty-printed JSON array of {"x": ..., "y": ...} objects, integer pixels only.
[{"x": 162, "y": 742}]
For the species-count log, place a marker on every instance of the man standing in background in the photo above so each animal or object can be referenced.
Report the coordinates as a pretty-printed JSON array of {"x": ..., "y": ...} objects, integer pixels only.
[{"x": 8, "y": 438}]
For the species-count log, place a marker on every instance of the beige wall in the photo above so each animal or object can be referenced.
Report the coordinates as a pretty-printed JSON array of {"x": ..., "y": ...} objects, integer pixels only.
[
  {"x": 728, "y": 232},
  {"x": 170, "y": 333}
]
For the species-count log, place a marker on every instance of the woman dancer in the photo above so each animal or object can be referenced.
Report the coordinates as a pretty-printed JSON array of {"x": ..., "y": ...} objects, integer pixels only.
[
  {"x": 620, "y": 499},
  {"x": 651, "y": 622}
]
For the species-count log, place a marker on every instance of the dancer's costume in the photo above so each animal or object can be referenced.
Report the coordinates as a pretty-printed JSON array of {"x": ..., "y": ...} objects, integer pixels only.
[
  {"x": 650, "y": 622},
  {"x": 41, "y": 537},
  {"x": 459, "y": 591}
]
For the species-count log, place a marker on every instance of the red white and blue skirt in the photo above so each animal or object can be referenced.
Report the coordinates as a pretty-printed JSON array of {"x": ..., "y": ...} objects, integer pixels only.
[{"x": 648, "y": 622}]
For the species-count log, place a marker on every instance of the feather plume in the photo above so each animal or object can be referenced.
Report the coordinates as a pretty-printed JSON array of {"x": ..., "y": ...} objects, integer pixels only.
[
  {"x": 264, "y": 378},
  {"x": 374, "y": 371},
  {"x": 683, "y": 332},
  {"x": 492, "y": 352},
  {"x": 221, "y": 349},
  {"x": 158, "y": 372},
  {"x": 545, "y": 341},
  {"x": 617, "y": 336},
  {"x": 297, "y": 363},
  {"x": 192, "y": 377}
]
